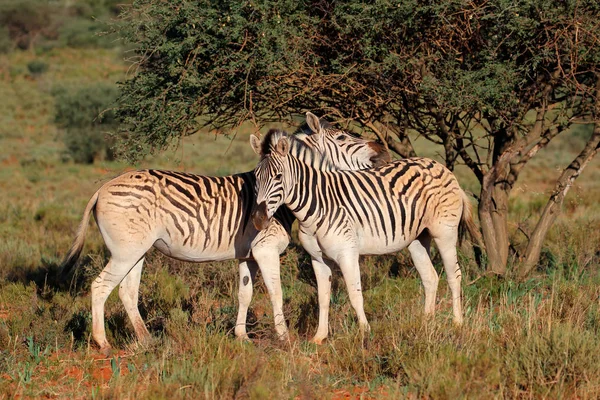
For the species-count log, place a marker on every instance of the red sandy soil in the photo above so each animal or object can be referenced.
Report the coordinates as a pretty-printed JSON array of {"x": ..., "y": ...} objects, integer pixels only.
[{"x": 71, "y": 372}]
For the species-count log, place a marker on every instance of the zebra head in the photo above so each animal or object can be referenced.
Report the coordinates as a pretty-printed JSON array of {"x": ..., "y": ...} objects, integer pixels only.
[
  {"x": 346, "y": 151},
  {"x": 326, "y": 149},
  {"x": 271, "y": 184}
]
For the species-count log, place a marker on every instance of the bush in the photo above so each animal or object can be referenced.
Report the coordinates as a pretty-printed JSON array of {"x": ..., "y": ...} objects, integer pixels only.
[
  {"x": 6, "y": 44},
  {"x": 85, "y": 115},
  {"x": 87, "y": 33},
  {"x": 37, "y": 67},
  {"x": 28, "y": 20}
]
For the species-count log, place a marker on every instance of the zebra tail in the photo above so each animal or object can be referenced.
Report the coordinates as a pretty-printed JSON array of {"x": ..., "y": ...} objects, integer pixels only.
[
  {"x": 75, "y": 251},
  {"x": 467, "y": 224}
]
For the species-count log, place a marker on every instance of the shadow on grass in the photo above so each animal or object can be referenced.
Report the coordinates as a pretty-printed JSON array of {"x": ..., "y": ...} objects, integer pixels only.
[{"x": 48, "y": 278}]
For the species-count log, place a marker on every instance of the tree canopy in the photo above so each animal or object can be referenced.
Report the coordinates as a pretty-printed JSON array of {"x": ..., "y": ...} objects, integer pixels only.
[{"x": 492, "y": 81}]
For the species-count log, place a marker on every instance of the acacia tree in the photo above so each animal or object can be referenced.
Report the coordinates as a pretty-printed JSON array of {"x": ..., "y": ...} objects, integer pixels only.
[{"x": 491, "y": 81}]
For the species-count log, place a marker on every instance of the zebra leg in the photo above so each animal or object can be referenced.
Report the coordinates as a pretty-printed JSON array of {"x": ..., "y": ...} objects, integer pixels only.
[
  {"x": 419, "y": 252},
  {"x": 323, "y": 275},
  {"x": 447, "y": 247},
  {"x": 351, "y": 271},
  {"x": 268, "y": 262},
  {"x": 129, "y": 295},
  {"x": 103, "y": 285},
  {"x": 247, "y": 276}
]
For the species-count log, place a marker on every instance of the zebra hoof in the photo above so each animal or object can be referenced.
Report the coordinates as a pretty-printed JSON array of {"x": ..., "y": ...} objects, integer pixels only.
[
  {"x": 317, "y": 341},
  {"x": 106, "y": 351},
  {"x": 243, "y": 338}
]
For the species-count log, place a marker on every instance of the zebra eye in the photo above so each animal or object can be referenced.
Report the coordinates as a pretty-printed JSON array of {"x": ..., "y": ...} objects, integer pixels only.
[
  {"x": 341, "y": 137},
  {"x": 278, "y": 177}
]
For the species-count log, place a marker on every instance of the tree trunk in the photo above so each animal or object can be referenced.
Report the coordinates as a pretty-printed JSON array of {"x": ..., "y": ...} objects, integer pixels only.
[
  {"x": 493, "y": 217},
  {"x": 552, "y": 209}
]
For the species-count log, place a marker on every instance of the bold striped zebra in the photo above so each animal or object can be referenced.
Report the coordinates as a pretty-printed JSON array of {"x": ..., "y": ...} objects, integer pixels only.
[
  {"x": 343, "y": 214},
  {"x": 198, "y": 218}
]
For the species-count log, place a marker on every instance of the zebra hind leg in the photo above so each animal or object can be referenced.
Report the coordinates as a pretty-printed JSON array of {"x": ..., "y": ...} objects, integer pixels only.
[
  {"x": 247, "y": 276},
  {"x": 103, "y": 285},
  {"x": 446, "y": 245},
  {"x": 129, "y": 295},
  {"x": 419, "y": 252}
]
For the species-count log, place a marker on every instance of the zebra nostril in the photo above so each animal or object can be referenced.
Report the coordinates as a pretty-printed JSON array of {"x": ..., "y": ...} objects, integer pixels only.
[{"x": 381, "y": 159}]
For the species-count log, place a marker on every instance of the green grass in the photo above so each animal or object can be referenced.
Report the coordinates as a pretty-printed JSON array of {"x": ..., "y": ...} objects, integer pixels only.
[{"x": 532, "y": 339}]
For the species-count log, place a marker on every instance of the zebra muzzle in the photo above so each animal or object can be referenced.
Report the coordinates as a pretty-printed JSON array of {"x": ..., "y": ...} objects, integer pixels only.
[
  {"x": 382, "y": 157},
  {"x": 260, "y": 219}
]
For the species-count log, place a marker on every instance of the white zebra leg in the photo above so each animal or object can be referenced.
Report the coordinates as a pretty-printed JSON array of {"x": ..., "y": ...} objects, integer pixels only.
[
  {"x": 247, "y": 276},
  {"x": 419, "y": 252},
  {"x": 268, "y": 262},
  {"x": 129, "y": 290},
  {"x": 350, "y": 267},
  {"x": 447, "y": 247},
  {"x": 103, "y": 285},
  {"x": 323, "y": 275}
]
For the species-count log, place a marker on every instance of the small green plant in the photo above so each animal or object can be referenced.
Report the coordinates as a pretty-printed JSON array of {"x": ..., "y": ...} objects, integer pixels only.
[
  {"x": 115, "y": 366},
  {"x": 37, "y": 67},
  {"x": 34, "y": 349},
  {"x": 25, "y": 372}
]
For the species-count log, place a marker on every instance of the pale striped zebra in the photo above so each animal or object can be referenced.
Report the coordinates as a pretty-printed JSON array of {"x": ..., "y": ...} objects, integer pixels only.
[
  {"x": 344, "y": 214},
  {"x": 199, "y": 218}
]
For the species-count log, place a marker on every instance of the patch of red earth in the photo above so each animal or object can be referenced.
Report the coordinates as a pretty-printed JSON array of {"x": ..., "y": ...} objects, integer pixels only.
[
  {"x": 359, "y": 392},
  {"x": 74, "y": 372},
  {"x": 11, "y": 160},
  {"x": 103, "y": 366}
]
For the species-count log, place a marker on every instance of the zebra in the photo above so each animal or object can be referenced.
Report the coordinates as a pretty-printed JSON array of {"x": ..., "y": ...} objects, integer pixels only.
[
  {"x": 344, "y": 214},
  {"x": 199, "y": 218}
]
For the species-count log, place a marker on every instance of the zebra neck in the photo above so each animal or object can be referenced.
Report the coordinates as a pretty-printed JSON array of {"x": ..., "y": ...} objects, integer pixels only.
[
  {"x": 304, "y": 198},
  {"x": 306, "y": 152}
]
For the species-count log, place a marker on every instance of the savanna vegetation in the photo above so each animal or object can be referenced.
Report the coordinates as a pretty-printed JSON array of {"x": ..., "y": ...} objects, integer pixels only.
[{"x": 63, "y": 119}]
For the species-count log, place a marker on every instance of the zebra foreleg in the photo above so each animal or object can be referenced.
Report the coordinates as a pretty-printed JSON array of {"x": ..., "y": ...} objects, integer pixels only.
[
  {"x": 350, "y": 268},
  {"x": 419, "y": 252},
  {"x": 129, "y": 290},
  {"x": 268, "y": 262},
  {"x": 323, "y": 275},
  {"x": 247, "y": 276}
]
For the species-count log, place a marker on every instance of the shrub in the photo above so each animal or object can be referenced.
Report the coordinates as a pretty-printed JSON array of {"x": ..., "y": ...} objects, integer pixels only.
[
  {"x": 86, "y": 33},
  {"x": 85, "y": 115},
  {"x": 37, "y": 67},
  {"x": 6, "y": 44},
  {"x": 28, "y": 20}
]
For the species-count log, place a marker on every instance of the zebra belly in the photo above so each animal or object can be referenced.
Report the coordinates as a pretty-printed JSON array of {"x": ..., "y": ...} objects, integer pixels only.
[
  {"x": 198, "y": 254},
  {"x": 375, "y": 246}
]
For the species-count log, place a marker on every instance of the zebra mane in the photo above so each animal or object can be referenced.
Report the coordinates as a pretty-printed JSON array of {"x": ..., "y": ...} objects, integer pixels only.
[
  {"x": 299, "y": 148},
  {"x": 305, "y": 129},
  {"x": 274, "y": 135}
]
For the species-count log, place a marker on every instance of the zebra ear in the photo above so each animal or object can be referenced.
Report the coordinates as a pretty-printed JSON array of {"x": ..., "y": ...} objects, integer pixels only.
[
  {"x": 313, "y": 122},
  {"x": 315, "y": 125},
  {"x": 282, "y": 147},
  {"x": 256, "y": 145}
]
